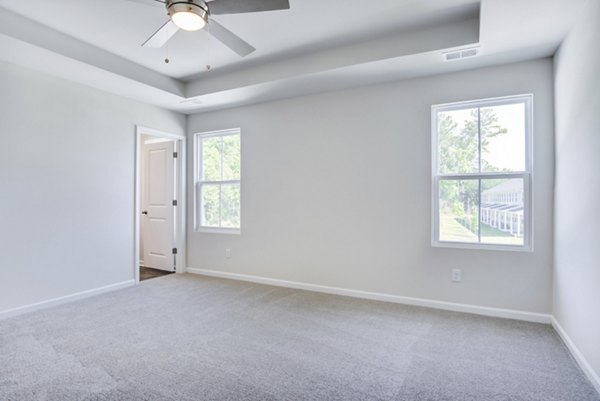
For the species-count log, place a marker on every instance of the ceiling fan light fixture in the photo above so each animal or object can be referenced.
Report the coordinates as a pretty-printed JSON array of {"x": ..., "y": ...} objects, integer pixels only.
[
  {"x": 188, "y": 21},
  {"x": 188, "y": 15}
]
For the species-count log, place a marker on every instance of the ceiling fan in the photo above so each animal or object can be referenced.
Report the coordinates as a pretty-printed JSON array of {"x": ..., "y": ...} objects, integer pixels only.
[{"x": 193, "y": 15}]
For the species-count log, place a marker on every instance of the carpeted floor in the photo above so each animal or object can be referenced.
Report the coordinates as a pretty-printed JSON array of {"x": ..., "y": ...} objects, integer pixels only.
[{"x": 186, "y": 337}]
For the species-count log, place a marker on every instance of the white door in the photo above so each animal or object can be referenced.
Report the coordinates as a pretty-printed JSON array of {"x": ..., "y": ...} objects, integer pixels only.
[{"x": 158, "y": 211}]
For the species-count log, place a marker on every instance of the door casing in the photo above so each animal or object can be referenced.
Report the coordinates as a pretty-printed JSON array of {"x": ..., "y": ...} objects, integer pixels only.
[{"x": 180, "y": 215}]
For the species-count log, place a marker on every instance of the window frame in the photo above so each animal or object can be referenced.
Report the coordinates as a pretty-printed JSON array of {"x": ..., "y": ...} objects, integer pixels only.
[
  {"x": 198, "y": 182},
  {"x": 526, "y": 174}
]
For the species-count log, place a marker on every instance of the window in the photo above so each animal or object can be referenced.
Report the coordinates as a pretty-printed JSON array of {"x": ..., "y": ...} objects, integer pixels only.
[
  {"x": 481, "y": 169},
  {"x": 217, "y": 181}
]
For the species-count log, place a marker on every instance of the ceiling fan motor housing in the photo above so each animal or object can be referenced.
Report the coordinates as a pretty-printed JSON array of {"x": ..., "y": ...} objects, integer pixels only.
[{"x": 197, "y": 7}]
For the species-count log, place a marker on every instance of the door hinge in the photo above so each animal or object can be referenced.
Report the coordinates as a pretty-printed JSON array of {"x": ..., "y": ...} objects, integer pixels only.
[
  {"x": 175, "y": 155},
  {"x": 175, "y": 202},
  {"x": 174, "y": 251}
]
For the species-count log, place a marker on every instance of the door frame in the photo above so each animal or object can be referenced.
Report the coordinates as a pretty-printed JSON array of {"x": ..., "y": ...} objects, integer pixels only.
[{"x": 180, "y": 215}]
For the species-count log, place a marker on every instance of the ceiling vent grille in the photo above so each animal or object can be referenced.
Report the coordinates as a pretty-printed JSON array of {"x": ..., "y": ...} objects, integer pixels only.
[
  {"x": 460, "y": 54},
  {"x": 191, "y": 101}
]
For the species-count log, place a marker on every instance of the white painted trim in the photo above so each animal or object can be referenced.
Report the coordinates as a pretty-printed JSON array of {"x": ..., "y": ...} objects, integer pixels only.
[
  {"x": 154, "y": 132},
  {"x": 65, "y": 299},
  {"x": 181, "y": 217},
  {"x": 577, "y": 355},
  {"x": 450, "y": 306}
]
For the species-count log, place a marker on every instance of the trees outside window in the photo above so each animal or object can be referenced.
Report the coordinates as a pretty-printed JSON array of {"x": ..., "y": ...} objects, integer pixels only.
[{"x": 481, "y": 173}]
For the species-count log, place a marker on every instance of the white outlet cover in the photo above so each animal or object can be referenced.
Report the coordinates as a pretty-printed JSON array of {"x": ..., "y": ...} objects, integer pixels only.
[{"x": 456, "y": 275}]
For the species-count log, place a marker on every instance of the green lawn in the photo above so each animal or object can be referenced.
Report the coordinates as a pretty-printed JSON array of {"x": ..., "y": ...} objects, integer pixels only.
[
  {"x": 452, "y": 230},
  {"x": 490, "y": 235}
]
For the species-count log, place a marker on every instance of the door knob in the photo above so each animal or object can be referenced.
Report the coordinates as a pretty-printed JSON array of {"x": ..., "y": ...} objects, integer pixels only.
[{"x": 145, "y": 212}]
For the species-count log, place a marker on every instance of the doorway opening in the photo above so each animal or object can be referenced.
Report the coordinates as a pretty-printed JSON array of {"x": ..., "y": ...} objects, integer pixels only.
[{"x": 159, "y": 204}]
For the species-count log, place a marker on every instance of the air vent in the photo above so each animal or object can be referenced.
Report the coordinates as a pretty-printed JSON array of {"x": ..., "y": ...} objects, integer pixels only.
[
  {"x": 460, "y": 54},
  {"x": 191, "y": 101}
]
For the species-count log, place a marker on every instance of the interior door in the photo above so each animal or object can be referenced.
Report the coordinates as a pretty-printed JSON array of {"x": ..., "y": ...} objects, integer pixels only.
[{"x": 158, "y": 213}]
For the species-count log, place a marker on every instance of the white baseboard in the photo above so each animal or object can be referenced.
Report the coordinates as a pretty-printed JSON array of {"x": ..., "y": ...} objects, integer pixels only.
[
  {"x": 64, "y": 299},
  {"x": 456, "y": 307},
  {"x": 577, "y": 355}
]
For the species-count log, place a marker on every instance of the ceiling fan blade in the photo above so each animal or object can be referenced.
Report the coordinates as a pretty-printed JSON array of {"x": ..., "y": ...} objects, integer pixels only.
[
  {"x": 229, "y": 38},
  {"x": 162, "y": 35},
  {"x": 159, "y": 3},
  {"x": 246, "y": 6}
]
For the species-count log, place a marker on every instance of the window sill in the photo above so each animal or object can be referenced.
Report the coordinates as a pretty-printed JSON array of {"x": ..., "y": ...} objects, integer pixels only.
[
  {"x": 218, "y": 230},
  {"x": 482, "y": 247}
]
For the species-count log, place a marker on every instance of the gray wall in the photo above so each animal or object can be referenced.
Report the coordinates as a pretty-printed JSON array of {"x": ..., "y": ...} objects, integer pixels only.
[
  {"x": 577, "y": 193},
  {"x": 336, "y": 191},
  {"x": 67, "y": 185}
]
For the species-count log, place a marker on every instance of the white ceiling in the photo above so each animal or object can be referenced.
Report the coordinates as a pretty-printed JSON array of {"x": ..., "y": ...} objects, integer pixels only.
[{"x": 316, "y": 45}]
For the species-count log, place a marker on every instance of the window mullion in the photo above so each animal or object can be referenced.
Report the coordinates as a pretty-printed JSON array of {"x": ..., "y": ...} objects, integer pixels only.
[
  {"x": 491, "y": 175},
  {"x": 201, "y": 164},
  {"x": 200, "y": 213},
  {"x": 201, "y": 175},
  {"x": 479, "y": 212},
  {"x": 221, "y": 185},
  {"x": 479, "y": 137},
  {"x": 220, "y": 203},
  {"x": 220, "y": 182},
  {"x": 222, "y": 157}
]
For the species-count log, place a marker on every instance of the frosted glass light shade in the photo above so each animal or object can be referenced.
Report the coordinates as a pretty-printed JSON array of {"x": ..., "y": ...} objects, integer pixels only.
[{"x": 188, "y": 20}]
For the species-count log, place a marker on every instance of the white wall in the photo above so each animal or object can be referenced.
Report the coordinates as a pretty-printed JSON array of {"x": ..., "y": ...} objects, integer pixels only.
[
  {"x": 66, "y": 185},
  {"x": 577, "y": 192},
  {"x": 336, "y": 191}
]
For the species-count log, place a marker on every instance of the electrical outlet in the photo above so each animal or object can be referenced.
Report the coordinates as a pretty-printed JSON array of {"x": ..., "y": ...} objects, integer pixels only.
[
  {"x": 456, "y": 275},
  {"x": 227, "y": 253}
]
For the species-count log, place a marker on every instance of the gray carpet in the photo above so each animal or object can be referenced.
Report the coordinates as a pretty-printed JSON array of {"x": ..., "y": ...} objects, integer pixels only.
[{"x": 186, "y": 337}]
